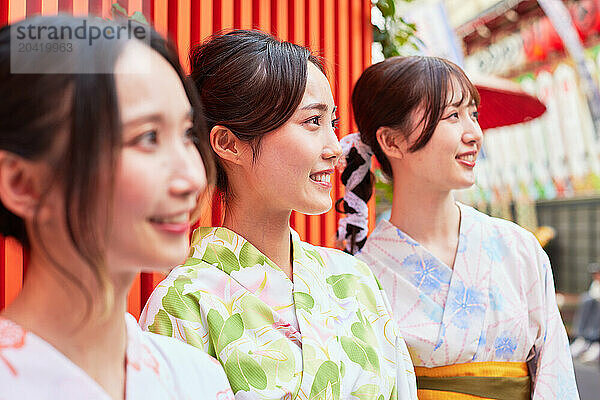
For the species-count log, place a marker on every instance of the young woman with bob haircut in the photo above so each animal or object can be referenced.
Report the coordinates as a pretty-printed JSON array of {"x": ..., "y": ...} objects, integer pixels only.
[
  {"x": 287, "y": 320},
  {"x": 99, "y": 174},
  {"x": 472, "y": 295}
]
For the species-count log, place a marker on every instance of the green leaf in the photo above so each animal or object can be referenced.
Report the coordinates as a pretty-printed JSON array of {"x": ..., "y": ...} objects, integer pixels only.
[
  {"x": 244, "y": 372},
  {"x": 192, "y": 261},
  {"x": 327, "y": 375},
  {"x": 225, "y": 235},
  {"x": 191, "y": 337},
  {"x": 279, "y": 359},
  {"x": 179, "y": 305},
  {"x": 249, "y": 256},
  {"x": 304, "y": 301},
  {"x": 223, "y": 333},
  {"x": 162, "y": 324},
  {"x": 367, "y": 298},
  {"x": 368, "y": 391},
  {"x": 361, "y": 353},
  {"x": 344, "y": 285},
  {"x": 116, "y": 7},
  {"x": 221, "y": 257},
  {"x": 364, "y": 331},
  {"x": 256, "y": 314},
  {"x": 362, "y": 268}
]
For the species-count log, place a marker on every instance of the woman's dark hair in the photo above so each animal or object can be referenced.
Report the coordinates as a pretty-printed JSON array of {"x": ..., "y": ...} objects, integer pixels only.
[
  {"x": 249, "y": 82},
  {"x": 389, "y": 94},
  {"x": 82, "y": 108}
]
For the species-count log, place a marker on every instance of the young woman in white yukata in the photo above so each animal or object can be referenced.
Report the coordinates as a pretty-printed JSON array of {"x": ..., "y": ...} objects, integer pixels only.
[
  {"x": 99, "y": 173},
  {"x": 287, "y": 320},
  {"x": 473, "y": 296}
]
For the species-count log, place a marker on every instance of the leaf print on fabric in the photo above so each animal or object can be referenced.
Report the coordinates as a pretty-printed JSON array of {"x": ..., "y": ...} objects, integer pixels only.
[
  {"x": 277, "y": 358},
  {"x": 505, "y": 346},
  {"x": 311, "y": 253},
  {"x": 465, "y": 305},
  {"x": 244, "y": 372},
  {"x": 368, "y": 391},
  {"x": 303, "y": 301},
  {"x": 327, "y": 377},
  {"x": 256, "y": 314},
  {"x": 344, "y": 285},
  {"x": 192, "y": 261},
  {"x": 250, "y": 257},
  {"x": 224, "y": 332},
  {"x": 367, "y": 298},
  {"x": 361, "y": 353},
  {"x": 221, "y": 257},
  {"x": 426, "y": 273},
  {"x": 179, "y": 305},
  {"x": 364, "y": 331},
  {"x": 225, "y": 235},
  {"x": 162, "y": 324},
  {"x": 191, "y": 337}
]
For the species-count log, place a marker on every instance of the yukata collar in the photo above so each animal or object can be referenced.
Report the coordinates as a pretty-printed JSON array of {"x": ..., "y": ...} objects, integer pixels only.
[{"x": 228, "y": 251}]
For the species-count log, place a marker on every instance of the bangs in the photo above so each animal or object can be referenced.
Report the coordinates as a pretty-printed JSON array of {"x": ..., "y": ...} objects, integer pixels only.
[{"x": 458, "y": 81}]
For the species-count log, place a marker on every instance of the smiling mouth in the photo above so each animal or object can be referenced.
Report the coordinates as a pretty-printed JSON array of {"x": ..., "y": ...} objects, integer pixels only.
[
  {"x": 321, "y": 177},
  {"x": 467, "y": 157},
  {"x": 177, "y": 224}
]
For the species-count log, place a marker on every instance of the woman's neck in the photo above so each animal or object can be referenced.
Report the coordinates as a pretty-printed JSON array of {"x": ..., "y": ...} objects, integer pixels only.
[
  {"x": 266, "y": 229},
  {"x": 57, "y": 310},
  {"x": 430, "y": 217}
]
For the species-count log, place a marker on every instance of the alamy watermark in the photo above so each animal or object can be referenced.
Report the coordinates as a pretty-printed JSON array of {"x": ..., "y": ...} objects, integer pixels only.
[{"x": 67, "y": 49}]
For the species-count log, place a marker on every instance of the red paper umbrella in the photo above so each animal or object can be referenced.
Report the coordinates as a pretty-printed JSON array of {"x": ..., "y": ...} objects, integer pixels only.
[{"x": 504, "y": 103}]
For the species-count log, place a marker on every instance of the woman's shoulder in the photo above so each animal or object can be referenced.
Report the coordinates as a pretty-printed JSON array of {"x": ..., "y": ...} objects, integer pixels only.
[{"x": 494, "y": 225}]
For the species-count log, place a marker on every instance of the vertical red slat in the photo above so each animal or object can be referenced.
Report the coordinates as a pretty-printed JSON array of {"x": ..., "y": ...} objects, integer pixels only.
[
  {"x": 96, "y": 7},
  {"x": 147, "y": 10},
  {"x": 133, "y": 298},
  {"x": 263, "y": 15},
  {"x": 227, "y": 12},
  {"x": 33, "y": 7},
  {"x": 3, "y": 21},
  {"x": 3, "y": 281},
  {"x": 49, "y": 7},
  {"x": 237, "y": 17},
  {"x": 161, "y": 16},
  {"x": 183, "y": 32},
  {"x": 246, "y": 14},
  {"x": 16, "y": 10},
  {"x": 195, "y": 21},
  {"x": 65, "y": 6},
  {"x": 13, "y": 275},
  {"x": 81, "y": 8},
  {"x": 172, "y": 6}
]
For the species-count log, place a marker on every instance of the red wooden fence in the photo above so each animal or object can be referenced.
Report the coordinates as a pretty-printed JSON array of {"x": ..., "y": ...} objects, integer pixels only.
[{"x": 338, "y": 30}]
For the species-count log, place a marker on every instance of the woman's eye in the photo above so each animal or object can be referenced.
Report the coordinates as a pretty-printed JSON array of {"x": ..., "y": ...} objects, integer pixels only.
[
  {"x": 453, "y": 115},
  {"x": 190, "y": 136},
  {"x": 316, "y": 120},
  {"x": 475, "y": 115},
  {"x": 335, "y": 123},
  {"x": 146, "y": 139}
]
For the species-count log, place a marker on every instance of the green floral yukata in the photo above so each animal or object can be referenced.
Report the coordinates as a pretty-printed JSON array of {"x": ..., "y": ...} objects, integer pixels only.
[{"x": 326, "y": 335}]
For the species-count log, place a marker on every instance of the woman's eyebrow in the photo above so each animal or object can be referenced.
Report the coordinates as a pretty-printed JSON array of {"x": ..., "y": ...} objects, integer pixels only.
[{"x": 316, "y": 106}]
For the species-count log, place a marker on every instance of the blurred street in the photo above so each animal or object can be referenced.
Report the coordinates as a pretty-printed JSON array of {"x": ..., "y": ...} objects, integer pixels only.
[{"x": 588, "y": 380}]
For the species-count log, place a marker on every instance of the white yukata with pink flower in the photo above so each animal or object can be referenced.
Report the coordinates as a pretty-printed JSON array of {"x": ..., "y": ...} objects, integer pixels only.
[
  {"x": 326, "y": 335},
  {"x": 496, "y": 304},
  {"x": 157, "y": 368}
]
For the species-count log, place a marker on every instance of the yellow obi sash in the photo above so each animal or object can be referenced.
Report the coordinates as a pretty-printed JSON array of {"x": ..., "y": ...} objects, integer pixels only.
[{"x": 474, "y": 380}]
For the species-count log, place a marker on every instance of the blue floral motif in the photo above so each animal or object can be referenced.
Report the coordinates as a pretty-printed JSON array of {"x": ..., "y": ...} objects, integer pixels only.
[
  {"x": 496, "y": 299},
  {"x": 505, "y": 346},
  {"x": 433, "y": 310},
  {"x": 494, "y": 247},
  {"x": 405, "y": 238},
  {"x": 427, "y": 274},
  {"x": 465, "y": 305},
  {"x": 462, "y": 244}
]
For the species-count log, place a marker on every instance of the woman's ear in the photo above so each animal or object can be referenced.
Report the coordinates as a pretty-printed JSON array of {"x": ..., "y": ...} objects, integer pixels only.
[
  {"x": 392, "y": 142},
  {"x": 226, "y": 145},
  {"x": 20, "y": 185}
]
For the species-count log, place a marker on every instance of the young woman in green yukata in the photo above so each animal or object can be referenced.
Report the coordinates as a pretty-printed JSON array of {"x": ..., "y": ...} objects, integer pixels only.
[{"x": 287, "y": 320}]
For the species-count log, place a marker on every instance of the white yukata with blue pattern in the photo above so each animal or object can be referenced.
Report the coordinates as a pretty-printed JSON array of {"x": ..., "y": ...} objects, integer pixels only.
[{"x": 496, "y": 304}]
